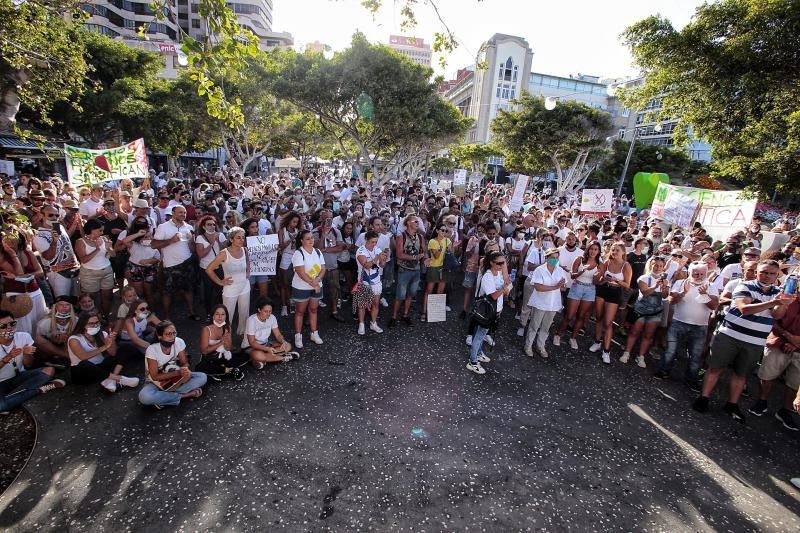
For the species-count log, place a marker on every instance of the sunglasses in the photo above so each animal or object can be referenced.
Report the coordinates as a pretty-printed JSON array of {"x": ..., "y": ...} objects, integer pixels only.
[
  {"x": 677, "y": 255},
  {"x": 7, "y": 325},
  {"x": 751, "y": 255},
  {"x": 145, "y": 308},
  {"x": 52, "y": 216},
  {"x": 501, "y": 263}
]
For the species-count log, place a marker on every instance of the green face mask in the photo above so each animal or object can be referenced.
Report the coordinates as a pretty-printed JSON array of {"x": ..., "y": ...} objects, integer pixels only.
[{"x": 552, "y": 261}]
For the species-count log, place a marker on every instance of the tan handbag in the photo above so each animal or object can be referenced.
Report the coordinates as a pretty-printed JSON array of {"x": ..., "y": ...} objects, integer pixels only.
[{"x": 19, "y": 305}]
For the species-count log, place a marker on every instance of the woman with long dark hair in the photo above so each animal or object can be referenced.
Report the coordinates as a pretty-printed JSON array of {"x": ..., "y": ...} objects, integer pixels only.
[
  {"x": 581, "y": 296},
  {"x": 208, "y": 243},
  {"x": 492, "y": 284},
  {"x": 219, "y": 359},
  {"x": 287, "y": 237},
  {"x": 92, "y": 353}
]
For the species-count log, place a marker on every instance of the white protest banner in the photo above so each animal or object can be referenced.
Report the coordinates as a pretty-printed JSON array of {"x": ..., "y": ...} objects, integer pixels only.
[
  {"x": 86, "y": 166},
  {"x": 6, "y": 167},
  {"x": 444, "y": 185},
  {"x": 437, "y": 304},
  {"x": 475, "y": 181},
  {"x": 597, "y": 201},
  {"x": 517, "y": 197},
  {"x": 721, "y": 213},
  {"x": 460, "y": 182},
  {"x": 773, "y": 241},
  {"x": 262, "y": 254},
  {"x": 680, "y": 209}
]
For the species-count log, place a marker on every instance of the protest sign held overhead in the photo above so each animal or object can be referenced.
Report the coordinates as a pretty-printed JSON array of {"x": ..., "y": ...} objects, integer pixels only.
[
  {"x": 86, "y": 166},
  {"x": 597, "y": 201},
  {"x": 681, "y": 209},
  {"x": 721, "y": 213},
  {"x": 517, "y": 197},
  {"x": 460, "y": 182}
]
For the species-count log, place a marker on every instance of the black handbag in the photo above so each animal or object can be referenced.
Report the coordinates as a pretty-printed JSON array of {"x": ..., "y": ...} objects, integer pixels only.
[{"x": 484, "y": 311}]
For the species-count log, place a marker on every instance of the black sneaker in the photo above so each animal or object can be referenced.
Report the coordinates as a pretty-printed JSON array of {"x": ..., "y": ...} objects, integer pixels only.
[
  {"x": 785, "y": 418},
  {"x": 695, "y": 386},
  {"x": 734, "y": 412},
  {"x": 661, "y": 375},
  {"x": 215, "y": 377},
  {"x": 238, "y": 375},
  {"x": 407, "y": 321},
  {"x": 700, "y": 404},
  {"x": 392, "y": 323},
  {"x": 759, "y": 408}
]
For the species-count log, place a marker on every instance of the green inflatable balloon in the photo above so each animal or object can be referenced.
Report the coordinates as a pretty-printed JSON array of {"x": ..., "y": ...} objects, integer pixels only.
[{"x": 645, "y": 185}]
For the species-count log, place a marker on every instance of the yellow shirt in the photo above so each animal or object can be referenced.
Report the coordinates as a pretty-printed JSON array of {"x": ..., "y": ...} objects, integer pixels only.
[{"x": 434, "y": 244}]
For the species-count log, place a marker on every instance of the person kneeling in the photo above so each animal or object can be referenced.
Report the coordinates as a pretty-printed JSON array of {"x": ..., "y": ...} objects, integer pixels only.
[{"x": 169, "y": 379}]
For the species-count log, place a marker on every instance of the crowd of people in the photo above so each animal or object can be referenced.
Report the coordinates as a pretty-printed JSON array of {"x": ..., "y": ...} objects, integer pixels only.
[{"x": 91, "y": 274}]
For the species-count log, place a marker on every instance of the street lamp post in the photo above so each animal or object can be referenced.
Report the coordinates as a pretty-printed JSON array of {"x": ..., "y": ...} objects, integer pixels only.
[{"x": 657, "y": 128}]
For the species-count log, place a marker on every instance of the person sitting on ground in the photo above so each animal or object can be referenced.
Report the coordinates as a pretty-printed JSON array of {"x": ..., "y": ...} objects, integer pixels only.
[
  {"x": 169, "y": 379},
  {"x": 216, "y": 344},
  {"x": 139, "y": 328},
  {"x": 17, "y": 383},
  {"x": 52, "y": 333},
  {"x": 258, "y": 329},
  {"x": 92, "y": 353}
]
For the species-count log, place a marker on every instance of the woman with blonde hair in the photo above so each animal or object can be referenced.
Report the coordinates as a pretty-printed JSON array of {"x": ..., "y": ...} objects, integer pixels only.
[
  {"x": 236, "y": 283},
  {"x": 611, "y": 278},
  {"x": 653, "y": 289}
]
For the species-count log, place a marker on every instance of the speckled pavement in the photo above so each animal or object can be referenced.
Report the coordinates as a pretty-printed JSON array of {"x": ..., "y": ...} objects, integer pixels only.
[{"x": 389, "y": 432}]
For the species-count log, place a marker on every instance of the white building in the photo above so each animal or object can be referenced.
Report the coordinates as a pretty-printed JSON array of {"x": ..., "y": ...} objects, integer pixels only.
[{"x": 413, "y": 48}]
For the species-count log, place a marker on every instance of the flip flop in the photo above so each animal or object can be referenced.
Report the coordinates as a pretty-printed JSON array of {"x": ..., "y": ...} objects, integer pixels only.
[{"x": 197, "y": 393}]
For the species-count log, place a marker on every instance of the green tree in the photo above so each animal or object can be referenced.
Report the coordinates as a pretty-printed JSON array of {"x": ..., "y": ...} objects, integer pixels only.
[
  {"x": 473, "y": 156},
  {"x": 41, "y": 56},
  {"x": 731, "y": 75},
  {"x": 443, "y": 164},
  {"x": 645, "y": 158},
  {"x": 567, "y": 139},
  {"x": 384, "y": 105}
]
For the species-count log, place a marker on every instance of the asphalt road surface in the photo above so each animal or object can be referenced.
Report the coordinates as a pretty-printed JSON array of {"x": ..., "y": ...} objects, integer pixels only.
[{"x": 389, "y": 432}]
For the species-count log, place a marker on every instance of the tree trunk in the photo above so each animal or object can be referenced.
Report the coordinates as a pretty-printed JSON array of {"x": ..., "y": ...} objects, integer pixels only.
[{"x": 9, "y": 99}]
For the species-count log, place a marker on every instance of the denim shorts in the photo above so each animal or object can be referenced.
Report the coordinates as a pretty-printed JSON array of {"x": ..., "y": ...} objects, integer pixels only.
[
  {"x": 583, "y": 292},
  {"x": 470, "y": 279},
  {"x": 303, "y": 295},
  {"x": 407, "y": 283},
  {"x": 259, "y": 279}
]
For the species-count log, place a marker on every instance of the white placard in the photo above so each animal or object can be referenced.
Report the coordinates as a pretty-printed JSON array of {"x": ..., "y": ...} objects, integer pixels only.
[
  {"x": 7, "y": 167},
  {"x": 437, "y": 304},
  {"x": 475, "y": 181},
  {"x": 262, "y": 254},
  {"x": 680, "y": 209},
  {"x": 773, "y": 241},
  {"x": 597, "y": 201},
  {"x": 460, "y": 182},
  {"x": 520, "y": 185}
]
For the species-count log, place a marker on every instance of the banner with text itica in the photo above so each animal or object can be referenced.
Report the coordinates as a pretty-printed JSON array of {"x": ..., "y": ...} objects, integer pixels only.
[
  {"x": 460, "y": 182},
  {"x": 597, "y": 201},
  {"x": 262, "y": 254},
  {"x": 721, "y": 213},
  {"x": 518, "y": 196},
  {"x": 85, "y": 167}
]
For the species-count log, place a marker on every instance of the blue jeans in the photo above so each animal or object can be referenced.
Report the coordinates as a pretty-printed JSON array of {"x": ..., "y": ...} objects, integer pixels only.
[
  {"x": 680, "y": 335},
  {"x": 407, "y": 283},
  {"x": 477, "y": 343},
  {"x": 152, "y": 395},
  {"x": 21, "y": 388}
]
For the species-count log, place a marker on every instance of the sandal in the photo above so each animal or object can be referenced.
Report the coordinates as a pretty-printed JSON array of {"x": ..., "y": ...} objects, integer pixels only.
[
  {"x": 197, "y": 393},
  {"x": 423, "y": 317}
]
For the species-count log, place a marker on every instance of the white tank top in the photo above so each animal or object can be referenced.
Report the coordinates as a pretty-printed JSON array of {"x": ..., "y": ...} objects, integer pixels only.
[
  {"x": 619, "y": 276},
  {"x": 587, "y": 275},
  {"x": 236, "y": 268},
  {"x": 100, "y": 259}
]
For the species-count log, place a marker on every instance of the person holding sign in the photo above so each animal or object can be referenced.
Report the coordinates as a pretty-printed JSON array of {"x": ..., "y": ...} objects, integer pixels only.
[
  {"x": 236, "y": 284},
  {"x": 309, "y": 271}
]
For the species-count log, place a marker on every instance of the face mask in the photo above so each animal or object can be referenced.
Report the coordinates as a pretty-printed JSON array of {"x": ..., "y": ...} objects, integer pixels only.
[
  {"x": 143, "y": 315},
  {"x": 87, "y": 309},
  {"x": 548, "y": 244},
  {"x": 167, "y": 344},
  {"x": 162, "y": 203},
  {"x": 7, "y": 334},
  {"x": 645, "y": 250},
  {"x": 63, "y": 316},
  {"x": 552, "y": 261},
  {"x": 93, "y": 331},
  {"x": 187, "y": 202}
]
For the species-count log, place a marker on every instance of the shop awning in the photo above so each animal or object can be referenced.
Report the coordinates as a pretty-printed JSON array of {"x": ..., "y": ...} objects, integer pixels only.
[{"x": 13, "y": 145}]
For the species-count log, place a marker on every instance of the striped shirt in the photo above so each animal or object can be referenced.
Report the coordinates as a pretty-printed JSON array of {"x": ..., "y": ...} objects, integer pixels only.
[{"x": 755, "y": 328}]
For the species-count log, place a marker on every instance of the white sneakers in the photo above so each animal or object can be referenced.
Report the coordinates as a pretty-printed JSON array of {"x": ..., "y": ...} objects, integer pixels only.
[
  {"x": 529, "y": 351},
  {"x": 284, "y": 311},
  {"x": 315, "y": 338},
  {"x": 469, "y": 340},
  {"x": 361, "y": 330},
  {"x": 573, "y": 343},
  {"x": 488, "y": 340},
  {"x": 625, "y": 357},
  {"x": 322, "y": 304},
  {"x": 557, "y": 340},
  {"x": 298, "y": 340},
  {"x": 482, "y": 358},
  {"x": 543, "y": 352},
  {"x": 594, "y": 348},
  {"x": 375, "y": 327},
  {"x": 607, "y": 358},
  {"x": 111, "y": 386},
  {"x": 640, "y": 362},
  {"x": 384, "y": 303},
  {"x": 477, "y": 368},
  {"x": 125, "y": 381}
]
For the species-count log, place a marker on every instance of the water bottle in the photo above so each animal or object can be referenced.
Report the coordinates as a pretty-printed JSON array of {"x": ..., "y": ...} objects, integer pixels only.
[
  {"x": 790, "y": 286},
  {"x": 513, "y": 275}
]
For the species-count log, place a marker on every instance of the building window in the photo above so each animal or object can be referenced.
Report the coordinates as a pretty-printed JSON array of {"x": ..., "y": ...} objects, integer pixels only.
[
  {"x": 195, "y": 8},
  {"x": 508, "y": 71},
  {"x": 196, "y": 23}
]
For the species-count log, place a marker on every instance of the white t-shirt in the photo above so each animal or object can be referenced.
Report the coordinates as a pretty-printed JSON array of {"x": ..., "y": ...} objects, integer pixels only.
[
  {"x": 374, "y": 274},
  {"x": 89, "y": 207},
  {"x": 259, "y": 329},
  {"x": 216, "y": 247},
  {"x": 384, "y": 242},
  {"x": 733, "y": 271},
  {"x": 87, "y": 347},
  {"x": 177, "y": 252},
  {"x": 43, "y": 328},
  {"x": 313, "y": 263},
  {"x": 491, "y": 283},
  {"x": 566, "y": 259},
  {"x": 155, "y": 353},
  {"x": 264, "y": 226},
  {"x": 547, "y": 300},
  {"x": 689, "y": 310},
  {"x": 20, "y": 340},
  {"x": 140, "y": 250}
]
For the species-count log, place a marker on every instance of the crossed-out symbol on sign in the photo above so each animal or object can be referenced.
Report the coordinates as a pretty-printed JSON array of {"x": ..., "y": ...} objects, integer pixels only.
[{"x": 599, "y": 199}]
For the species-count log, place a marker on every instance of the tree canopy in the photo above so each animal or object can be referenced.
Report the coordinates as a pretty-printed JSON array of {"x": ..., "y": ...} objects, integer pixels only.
[
  {"x": 731, "y": 75},
  {"x": 564, "y": 139}
]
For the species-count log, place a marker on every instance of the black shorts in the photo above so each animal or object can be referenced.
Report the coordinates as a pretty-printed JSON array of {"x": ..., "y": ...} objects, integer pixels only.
[
  {"x": 612, "y": 295},
  {"x": 182, "y": 277}
]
